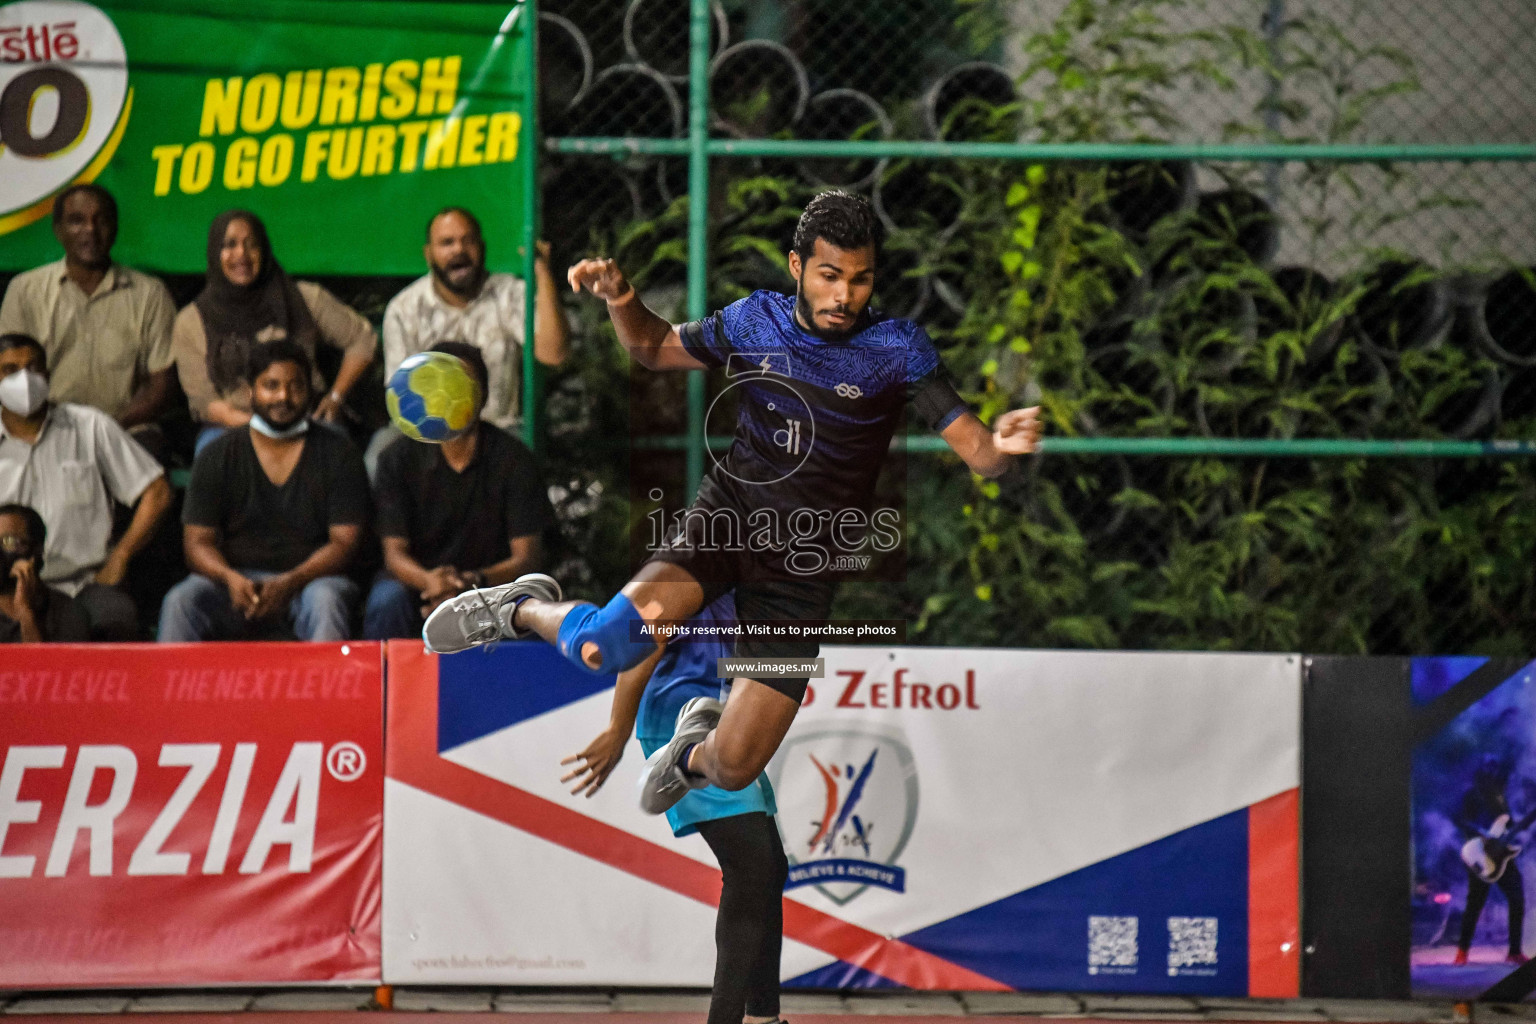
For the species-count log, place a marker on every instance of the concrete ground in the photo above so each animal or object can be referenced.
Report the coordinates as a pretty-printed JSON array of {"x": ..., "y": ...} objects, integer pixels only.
[{"x": 554, "y": 1006}]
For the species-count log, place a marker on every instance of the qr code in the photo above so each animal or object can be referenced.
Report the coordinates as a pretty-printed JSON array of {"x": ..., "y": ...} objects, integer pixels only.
[
  {"x": 1111, "y": 942},
  {"x": 1191, "y": 942}
]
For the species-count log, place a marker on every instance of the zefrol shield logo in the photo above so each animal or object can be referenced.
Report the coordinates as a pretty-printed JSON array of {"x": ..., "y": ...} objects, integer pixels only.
[
  {"x": 64, "y": 102},
  {"x": 847, "y": 804}
]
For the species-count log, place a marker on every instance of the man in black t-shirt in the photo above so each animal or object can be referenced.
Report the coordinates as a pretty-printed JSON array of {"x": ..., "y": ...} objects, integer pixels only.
[
  {"x": 465, "y": 513},
  {"x": 272, "y": 519}
]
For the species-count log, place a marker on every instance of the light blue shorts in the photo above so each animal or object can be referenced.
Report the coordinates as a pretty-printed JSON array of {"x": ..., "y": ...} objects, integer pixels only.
[{"x": 712, "y": 802}]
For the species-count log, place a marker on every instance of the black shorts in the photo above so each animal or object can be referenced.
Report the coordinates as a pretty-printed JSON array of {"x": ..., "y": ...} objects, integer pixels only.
[{"x": 762, "y": 595}]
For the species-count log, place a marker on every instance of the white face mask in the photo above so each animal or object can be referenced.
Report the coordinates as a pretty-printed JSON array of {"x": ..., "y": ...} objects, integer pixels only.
[
  {"x": 261, "y": 426},
  {"x": 24, "y": 393}
]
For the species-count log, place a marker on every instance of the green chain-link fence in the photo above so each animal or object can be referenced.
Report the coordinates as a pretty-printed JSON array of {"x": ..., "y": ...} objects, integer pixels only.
[{"x": 1388, "y": 296}]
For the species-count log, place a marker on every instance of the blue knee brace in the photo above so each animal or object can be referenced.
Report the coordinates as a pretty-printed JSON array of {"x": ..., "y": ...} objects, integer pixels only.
[{"x": 611, "y": 628}]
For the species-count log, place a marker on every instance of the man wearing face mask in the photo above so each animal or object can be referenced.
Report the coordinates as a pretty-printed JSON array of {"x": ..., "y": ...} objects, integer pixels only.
[
  {"x": 458, "y": 300},
  {"x": 272, "y": 520},
  {"x": 70, "y": 462},
  {"x": 31, "y": 612},
  {"x": 106, "y": 328}
]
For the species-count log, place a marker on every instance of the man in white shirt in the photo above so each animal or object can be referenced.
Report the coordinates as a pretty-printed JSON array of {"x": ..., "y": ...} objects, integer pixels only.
[
  {"x": 69, "y": 462},
  {"x": 458, "y": 300}
]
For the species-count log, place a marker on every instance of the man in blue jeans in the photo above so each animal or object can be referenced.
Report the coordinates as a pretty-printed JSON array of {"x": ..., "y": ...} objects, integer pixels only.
[{"x": 272, "y": 520}]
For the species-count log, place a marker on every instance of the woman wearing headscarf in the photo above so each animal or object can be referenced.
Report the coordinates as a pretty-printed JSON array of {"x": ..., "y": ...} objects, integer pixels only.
[{"x": 248, "y": 301}]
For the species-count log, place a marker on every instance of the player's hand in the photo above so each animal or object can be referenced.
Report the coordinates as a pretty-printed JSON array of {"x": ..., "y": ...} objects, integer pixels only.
[
  {"x": 602, "y": 278},
  {"x": 596, "y": 762},
  {"x": 244, "y": 595},
  {"x": 1017, "y": 432}
]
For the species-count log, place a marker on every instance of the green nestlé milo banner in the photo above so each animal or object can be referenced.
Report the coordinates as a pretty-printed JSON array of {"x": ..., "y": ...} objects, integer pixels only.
[{"x": 343, "y": 123}]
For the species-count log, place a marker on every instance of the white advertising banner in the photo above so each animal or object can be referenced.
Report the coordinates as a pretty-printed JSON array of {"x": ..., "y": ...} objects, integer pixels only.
[{"x": 954, "y": 818}]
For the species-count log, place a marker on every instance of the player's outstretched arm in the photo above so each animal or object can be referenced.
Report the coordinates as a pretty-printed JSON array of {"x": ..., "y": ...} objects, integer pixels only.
[
  {"x": 600, "y": 757},
  {"x": 648, "y": 338},
  {"x": 989, "y": 452}
]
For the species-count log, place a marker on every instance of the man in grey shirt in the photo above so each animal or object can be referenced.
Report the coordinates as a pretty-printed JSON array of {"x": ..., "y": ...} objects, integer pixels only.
[{"x": 69, "y": 462}]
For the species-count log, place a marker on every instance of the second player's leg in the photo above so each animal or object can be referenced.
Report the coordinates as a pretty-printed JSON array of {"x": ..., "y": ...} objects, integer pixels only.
[
  {"x": 763, "y": 976},
  {"x": 750, "y": 923}
]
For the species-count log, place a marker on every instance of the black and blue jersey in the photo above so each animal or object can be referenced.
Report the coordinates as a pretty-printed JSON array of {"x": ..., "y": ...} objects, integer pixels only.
[
  {"x": 815, "y": 417},
  {"x": 777, "y": 512}
]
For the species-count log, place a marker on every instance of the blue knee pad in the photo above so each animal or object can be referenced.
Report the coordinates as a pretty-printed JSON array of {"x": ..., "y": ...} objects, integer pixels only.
[{"x": 610, "y": 628}]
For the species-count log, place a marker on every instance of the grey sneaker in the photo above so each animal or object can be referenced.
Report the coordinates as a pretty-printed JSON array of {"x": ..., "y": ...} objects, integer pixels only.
[
  {"x": 483, "y": 616},
  {"x": 663, "y": 782}
]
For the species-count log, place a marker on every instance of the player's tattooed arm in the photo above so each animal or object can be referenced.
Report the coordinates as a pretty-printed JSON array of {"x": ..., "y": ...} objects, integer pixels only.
[
  {"x": 648, "y": 338},
  {"x": 595, "y": 763},
  {"x": 990, "y": 452}
]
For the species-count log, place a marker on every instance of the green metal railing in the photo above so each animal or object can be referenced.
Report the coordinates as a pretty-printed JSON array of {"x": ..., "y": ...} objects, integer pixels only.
[
  {"x": 1260, "y": 448},
  {"x": 699, "y": 148},
  {"x": 1098, "y": 151}
]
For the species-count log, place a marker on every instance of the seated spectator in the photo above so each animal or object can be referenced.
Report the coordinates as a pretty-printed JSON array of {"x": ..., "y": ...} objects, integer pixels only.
[
  {"x": 106, "y": 329},
  {"x": 69, "y": 462},
  {"x": 465, "y": 513},
  {"x": 31, "y": 612},
  {"x": 247, "y": 301},
  {"x": 272, "y": 520},
  {"x": 458, "y": 300}
]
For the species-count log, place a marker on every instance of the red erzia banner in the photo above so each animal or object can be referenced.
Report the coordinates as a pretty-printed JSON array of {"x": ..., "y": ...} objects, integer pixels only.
[{"x": 190, "y": 814}]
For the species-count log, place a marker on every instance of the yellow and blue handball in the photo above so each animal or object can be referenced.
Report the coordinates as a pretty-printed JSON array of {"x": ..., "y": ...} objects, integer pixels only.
[{"x": 432, "y": 396}]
